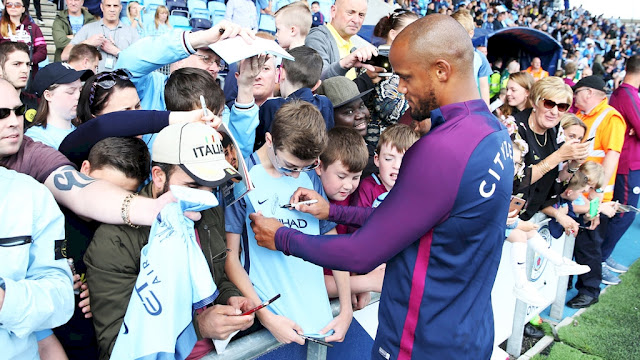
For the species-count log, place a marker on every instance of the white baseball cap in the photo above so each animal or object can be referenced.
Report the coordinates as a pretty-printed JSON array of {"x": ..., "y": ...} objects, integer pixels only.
[{"x": 197, "y": 149}]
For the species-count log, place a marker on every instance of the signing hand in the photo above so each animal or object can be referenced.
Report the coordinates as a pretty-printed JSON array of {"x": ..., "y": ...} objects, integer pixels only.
[
  {"x": 319, "y": 210},
  {"x": 265, "y": 229},
  {"x": 283, "y": 329}
]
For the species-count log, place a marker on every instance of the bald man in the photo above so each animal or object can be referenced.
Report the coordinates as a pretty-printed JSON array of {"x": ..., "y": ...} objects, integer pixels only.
[
  {"x": 333, "y": 40},
  {"x": 441, "y": 228}
]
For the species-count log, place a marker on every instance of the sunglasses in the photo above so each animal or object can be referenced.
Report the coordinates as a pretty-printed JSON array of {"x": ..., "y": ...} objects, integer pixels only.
[
  {"x": 548, "y": 104},
  {"x": 19, "y": 111},
  {"x": 287, "y": 170},
  {"x": 107, "y": 80},
  {"x": 13, "y": 5}
]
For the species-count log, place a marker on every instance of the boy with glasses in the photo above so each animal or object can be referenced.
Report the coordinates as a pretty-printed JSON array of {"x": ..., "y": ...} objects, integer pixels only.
[{"x": 282, "y": 165}]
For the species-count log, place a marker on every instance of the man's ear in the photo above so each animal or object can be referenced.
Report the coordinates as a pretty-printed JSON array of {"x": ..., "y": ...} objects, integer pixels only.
[
  {"x": 86, "y": 167},
  {"x": 159, "y": 178}
]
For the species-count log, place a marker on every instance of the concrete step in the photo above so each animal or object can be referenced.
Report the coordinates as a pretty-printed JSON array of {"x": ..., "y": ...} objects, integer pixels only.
[{"x": 46, "y": 31}]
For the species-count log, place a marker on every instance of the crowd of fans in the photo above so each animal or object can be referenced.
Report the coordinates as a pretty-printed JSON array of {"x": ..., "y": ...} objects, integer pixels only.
[{"x": 335, "y": 120}]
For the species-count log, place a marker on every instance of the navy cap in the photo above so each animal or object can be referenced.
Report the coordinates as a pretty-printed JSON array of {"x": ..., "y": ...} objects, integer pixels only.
[
  {"x": 593, "y": 82},
  {"x": 57, "y": 73}
]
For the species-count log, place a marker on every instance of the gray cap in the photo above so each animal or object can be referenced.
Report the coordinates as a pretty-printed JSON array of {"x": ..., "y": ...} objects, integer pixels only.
[{"x": 340, "y": 90}]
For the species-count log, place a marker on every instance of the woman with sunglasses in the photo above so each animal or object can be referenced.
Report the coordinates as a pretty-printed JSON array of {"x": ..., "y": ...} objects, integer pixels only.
[
  {"x": 59, "y": 89},
  {"x": 551, "y": 98},
  {"x": 107, "y": 92},
  {"x": 16, "y": 25}
]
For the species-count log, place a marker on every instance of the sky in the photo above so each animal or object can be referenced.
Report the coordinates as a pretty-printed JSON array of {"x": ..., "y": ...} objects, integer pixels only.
[{"x": 625, "y": 9}]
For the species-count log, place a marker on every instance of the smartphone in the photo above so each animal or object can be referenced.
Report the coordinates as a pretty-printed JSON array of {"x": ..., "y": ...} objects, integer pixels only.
[
  {"x": 316, "y": 340},
  {"x": 591, "y": 139},
  {"x": 516, "y": 204},
  {"x": 382, "y": 60},
  {"x": 264, "y": 304}
]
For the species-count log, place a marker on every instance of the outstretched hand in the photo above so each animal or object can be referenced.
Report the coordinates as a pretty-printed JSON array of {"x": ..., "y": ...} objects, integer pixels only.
[{"x": 265, "y": 230}]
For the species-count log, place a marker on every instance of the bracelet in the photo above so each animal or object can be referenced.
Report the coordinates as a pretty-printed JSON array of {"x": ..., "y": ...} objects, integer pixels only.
[
  {"x": 544, "y": 168},
  {"x": 126, "y": 205}
]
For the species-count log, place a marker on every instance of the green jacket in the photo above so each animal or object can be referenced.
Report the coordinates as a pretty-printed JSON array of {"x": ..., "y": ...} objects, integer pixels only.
[
  {"x": 113, "y": 264},
  {"x": 61, "y": 28}
]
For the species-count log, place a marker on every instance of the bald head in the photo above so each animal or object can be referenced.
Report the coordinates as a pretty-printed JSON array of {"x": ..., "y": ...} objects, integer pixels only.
[
  {"x": 434, "y": 59},
  {"x": 347, "y": 16}
]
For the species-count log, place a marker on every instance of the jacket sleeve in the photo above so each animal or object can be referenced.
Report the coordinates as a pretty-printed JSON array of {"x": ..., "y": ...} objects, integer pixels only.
[
  {"x": 318, "y": 41},
  {"x": 78, "y": 143},
  {"x": 112, "y": 260},
  {"x": 225, "y": 287},
  {"x": 149, "y": 54},
  {"x": 243, "y": 122},
  {"x": 39, "y": 45},
  {"x": 44, "y": 298},
  {"x": 59, "y": 33}
]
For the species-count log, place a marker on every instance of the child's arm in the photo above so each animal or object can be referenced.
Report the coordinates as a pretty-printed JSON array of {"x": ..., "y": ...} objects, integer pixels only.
[
  {"x": 283, "y": 329},
  {"x": 570, "y": 226},
  {"x": 581, "y": 205},
  {"x": 50, "y": 348},
  {"x": 340, "y": 324}
]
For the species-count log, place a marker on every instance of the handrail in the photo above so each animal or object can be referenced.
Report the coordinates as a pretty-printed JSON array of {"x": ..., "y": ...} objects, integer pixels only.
[{"x": 261, "y": 342}]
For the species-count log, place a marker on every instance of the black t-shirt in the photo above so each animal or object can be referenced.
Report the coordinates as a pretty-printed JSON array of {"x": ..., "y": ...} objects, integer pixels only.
[{"x": 543, "y": 192}]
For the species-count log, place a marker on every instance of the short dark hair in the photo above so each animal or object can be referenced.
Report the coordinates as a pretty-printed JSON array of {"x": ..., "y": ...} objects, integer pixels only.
[
  {"x": 126, "y": 154},
  {"x": 315, "y": 2},
  {"x": 633, "y": 64},
  {"x": 299, "y": 128},
  {"x": 9, "y": 47},
  {"x": 348, "y": 147},
  {"x": 81, "y": 51},
  {"x": 184, "y": 87},
  {"x": 306, "y": 69},
  {"x": 168, "y": 169}
]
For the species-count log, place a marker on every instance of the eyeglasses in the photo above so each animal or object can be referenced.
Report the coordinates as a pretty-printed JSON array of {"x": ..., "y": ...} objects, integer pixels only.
[
  {"x": 19, "y": 111},
  {"x": 287, "y": 170},
  {"x": 13, "y": 5},
  {"x": 548, "y": 104},
  {"x": 209, "y": 60},
  {"x": 107, "y": 80}
]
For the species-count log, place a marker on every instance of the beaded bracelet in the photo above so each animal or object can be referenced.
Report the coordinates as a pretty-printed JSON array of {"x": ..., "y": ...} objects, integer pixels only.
[{"x": 126, "y": 205}]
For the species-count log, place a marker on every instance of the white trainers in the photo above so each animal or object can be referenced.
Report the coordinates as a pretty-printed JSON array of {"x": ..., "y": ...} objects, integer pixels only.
[
  {"x": 570, "y": 267},
  {"x": 529, "y": 294}
]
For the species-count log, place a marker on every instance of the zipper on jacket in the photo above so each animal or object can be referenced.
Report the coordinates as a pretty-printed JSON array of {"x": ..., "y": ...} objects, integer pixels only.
[{"x": 15, "y": 241}]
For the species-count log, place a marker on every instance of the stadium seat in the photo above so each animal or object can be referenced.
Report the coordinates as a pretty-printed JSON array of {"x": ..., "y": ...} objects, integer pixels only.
[
  {"x": 152, "y": 5},
  {"x": 196, "y": 4},
  {"x": 200, "y": 23},
  {"x": 217, "y": 11},
  {"x": 148, "y": 18},
  {"x": 267, "y": 24},
  {"x": 178, "y": 5},
  {"x": 179, "y": 22},
  {"x": 199, "y": 13}
]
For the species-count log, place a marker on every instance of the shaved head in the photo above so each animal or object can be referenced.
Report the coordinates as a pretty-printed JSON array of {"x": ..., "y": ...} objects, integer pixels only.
[{"x": 434, "y": 59}]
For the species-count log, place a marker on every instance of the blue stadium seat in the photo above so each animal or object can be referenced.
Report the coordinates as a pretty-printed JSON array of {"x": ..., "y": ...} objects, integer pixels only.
[
  {"x": 148, "y": 18},
  {"x": 267, "y": 24},
  {"x": 152, "y": 5},
  {"x": 179, "y": 22},
  {"x": 200, "y": 23},
  {"x": 196, "y": 4},
  {"x": 199, "y": 13},
  {"x": 217, "y": 11}
]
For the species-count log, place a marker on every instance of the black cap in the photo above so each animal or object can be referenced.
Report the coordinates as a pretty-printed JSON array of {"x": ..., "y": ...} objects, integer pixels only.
[
  {"x": 593, "y": 82},
  {"x": 57, "y": 73}
]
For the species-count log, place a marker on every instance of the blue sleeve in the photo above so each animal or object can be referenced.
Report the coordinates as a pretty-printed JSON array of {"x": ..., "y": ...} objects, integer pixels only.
[
  {"x": 231, "y": 85},
  {"x": 325, "y": 225},
  {"x": 242, "y": 124},
  {"x": 77, "y": 144},
  {"x": 43, "y": 334},
  {"x": 43, "y": 298},
  {"x": 485, "y": 67},
  {"x": 147, "y": 55},
  {"x": 234, "y": 217}
]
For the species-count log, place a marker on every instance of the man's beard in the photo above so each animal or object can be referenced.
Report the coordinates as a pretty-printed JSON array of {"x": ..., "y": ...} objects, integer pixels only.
[{"x": 423, "y": 109}]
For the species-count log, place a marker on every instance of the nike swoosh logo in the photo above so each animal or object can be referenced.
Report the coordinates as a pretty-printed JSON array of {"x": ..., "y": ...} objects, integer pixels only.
[{"x": 262, "y": 202}]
